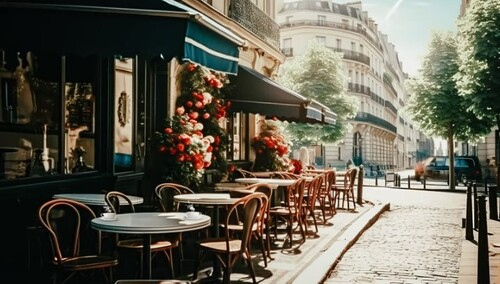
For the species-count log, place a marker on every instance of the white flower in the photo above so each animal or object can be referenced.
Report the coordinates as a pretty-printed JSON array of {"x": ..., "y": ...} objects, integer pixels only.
[{"x": 207, "y": 98}]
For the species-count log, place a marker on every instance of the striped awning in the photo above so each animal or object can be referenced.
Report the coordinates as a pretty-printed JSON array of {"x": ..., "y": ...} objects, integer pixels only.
[{"x": 148, "y": 29}]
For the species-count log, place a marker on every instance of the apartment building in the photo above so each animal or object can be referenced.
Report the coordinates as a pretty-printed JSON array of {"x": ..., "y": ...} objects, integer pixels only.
[{"x": 382, "y": 135}]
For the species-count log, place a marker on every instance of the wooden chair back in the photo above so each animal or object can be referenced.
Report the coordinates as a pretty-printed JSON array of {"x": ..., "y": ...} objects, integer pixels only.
[
  {"x": 112, "y": 199},
  {"x": 165, "y": 193}
]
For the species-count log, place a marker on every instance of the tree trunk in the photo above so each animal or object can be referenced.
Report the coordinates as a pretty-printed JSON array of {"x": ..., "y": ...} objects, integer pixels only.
[
  {"x": 497, "y": 150},
  {"x": 451, "y": 155}
]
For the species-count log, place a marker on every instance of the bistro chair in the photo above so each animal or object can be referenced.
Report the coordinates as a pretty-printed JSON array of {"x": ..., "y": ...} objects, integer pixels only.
[
  {"x": 243, "y": 173},
  {"x": 264, "y": 219},
  {"x": 346, "y": 189},
  {"x": 261, "y": 227},
  {"x": 165, "y": 193},
  {"x": 310, "y": 198},
  {"x": 75, "y": 246},
  {"x": 229, "y": 249},
  {"x": 136, "y": 244},
  {"x": 325, "y": 198},
  {"x": 291, "y": 209}
]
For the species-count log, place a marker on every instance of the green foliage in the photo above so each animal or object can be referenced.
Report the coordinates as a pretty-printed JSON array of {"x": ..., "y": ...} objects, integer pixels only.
[
  {"x": 434, "y": 102},
  {"x": 318, "y": 74},
  {"x": 478, "y": 78}
]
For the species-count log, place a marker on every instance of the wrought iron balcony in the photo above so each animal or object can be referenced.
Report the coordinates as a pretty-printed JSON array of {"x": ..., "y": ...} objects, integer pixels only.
[
  {"x": 377, "y": 121},
  {"x": 358, "y": 88},
  {"x": 255, "y": 20},
  {"x": 390, "y": 106},
  {"x": 353, "y": 55}
]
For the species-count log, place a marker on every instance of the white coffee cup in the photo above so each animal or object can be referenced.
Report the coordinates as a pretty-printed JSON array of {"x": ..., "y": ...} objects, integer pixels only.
[
  {"x": 193, "y": 215},
  {"x": 108, "y": 215}
]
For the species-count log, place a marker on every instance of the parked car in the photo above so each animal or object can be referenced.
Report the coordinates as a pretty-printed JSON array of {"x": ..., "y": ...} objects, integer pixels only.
[{"x": 467, "y": 168}]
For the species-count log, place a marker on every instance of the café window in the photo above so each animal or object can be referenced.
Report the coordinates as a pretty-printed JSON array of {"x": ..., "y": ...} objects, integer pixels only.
[
  {"x": 47, "y": 114},
  {"x": 237, "y": 130},
  {"x": 124, "y": 106}
]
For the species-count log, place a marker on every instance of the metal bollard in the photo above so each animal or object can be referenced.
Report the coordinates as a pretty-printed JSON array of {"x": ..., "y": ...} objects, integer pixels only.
[
  {"x": 476, "y": 207},
  {"x": 376, "y": 180},
  {"x": 492, "y": 195},
  {"x": 359, "y": 195},
  {"x": 469, "y": 231},
  {"x": 409, "y": 181},
  {"x": 425, "y": 181},
  {"x": 483, "y": 263}
]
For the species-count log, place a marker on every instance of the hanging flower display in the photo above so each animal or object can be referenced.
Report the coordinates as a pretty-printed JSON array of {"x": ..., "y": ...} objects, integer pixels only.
[
  {"x": 296, "y": 166},
  {"x": 193, "y": 139},
  {"x": 271, "y": 148}
]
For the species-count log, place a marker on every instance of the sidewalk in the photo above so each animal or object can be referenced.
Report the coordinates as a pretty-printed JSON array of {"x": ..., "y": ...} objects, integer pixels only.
[
  {"x": 469, "y": 257},
  {"x": 311, "y": 261}
]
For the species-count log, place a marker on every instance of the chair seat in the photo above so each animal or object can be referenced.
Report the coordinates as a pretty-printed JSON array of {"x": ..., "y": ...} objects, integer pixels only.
[
  {"x": 219, "y": 245},
  {"x": 88, "y": 262},
  {"x": 282, "y": 210},
  {"x": 137, "y": 244}
]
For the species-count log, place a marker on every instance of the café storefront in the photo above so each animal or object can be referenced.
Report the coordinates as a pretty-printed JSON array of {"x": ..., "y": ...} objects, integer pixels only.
[{"x": 83, "y": 87}]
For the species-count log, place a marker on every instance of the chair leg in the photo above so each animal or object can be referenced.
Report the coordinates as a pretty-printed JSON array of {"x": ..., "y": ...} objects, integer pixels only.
[
  {"x": 197, "y": 263},
  {"x": 250, "y": 266},
  {"x": 263, "y": 248}
]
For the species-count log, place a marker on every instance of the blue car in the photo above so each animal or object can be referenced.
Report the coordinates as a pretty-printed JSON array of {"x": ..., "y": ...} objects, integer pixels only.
[{"x": 467, "y": 168}]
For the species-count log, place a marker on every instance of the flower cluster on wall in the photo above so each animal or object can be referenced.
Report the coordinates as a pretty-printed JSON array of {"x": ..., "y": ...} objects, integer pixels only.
[
  {"x": 194, "y": 139},
  {"x": 271, "y": 148}
]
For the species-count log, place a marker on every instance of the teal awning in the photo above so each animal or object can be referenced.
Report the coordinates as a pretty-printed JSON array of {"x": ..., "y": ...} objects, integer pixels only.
[{"x": 148, "y": 29}]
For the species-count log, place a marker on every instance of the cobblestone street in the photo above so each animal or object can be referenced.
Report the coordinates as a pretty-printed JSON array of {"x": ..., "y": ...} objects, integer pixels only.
[{"x": 409, "y": 244}]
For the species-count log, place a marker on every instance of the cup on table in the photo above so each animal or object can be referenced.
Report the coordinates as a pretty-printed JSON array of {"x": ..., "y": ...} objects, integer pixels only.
[
  {"x": 108, "y": 215},
  {"x": 193, "y": 215}
]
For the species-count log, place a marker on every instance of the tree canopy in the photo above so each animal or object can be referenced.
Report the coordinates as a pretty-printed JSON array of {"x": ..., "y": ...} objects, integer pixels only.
[
  {"x": 435, "y": 103},
  {"x": 478, "y": 78},
  {"x": 434, "y": 100},
  {"x": 318, "y": 74}
]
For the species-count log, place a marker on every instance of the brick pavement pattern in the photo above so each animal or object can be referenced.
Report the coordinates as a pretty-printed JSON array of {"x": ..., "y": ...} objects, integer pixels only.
[{"x": 406, "y": 245}]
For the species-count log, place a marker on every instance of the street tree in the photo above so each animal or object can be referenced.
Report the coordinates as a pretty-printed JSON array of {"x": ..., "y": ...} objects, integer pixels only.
[
  {"x": 478, "y": 78},
  {"x": 318, "y": 74},
  {"x": 434, "y": 100}
]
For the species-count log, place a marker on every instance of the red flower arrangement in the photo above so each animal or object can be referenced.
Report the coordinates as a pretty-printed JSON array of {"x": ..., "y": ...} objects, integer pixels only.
[
  {"x": 271, "y": 148},
  {"x": 297, "y": 166},
  {"x": 193, "y": 140}
]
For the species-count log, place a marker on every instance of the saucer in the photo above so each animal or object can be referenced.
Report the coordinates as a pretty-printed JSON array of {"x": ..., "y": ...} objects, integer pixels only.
[
  {"x": 108, "y": 219},
  {"x": 193, "y": 218}
]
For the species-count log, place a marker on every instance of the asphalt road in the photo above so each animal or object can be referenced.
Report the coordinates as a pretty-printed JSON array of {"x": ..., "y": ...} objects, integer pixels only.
[{"x": 417, "y": 241}]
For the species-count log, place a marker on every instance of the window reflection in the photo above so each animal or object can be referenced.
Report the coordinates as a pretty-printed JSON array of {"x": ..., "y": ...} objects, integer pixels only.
[{"x": 33, "y": 97}]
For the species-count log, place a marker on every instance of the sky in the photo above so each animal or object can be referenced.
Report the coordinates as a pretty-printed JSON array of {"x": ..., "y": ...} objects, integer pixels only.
[{"x": 409, "y": 25}]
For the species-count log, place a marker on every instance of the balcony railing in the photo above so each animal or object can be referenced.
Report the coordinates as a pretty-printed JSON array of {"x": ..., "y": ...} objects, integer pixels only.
[
  {"x": 330, "y": 24},
  {"x": 357, "y": 88},
  {"x": 390, "y": 106},
  {"x": 388, "y": 83},
  {"x": 353, "y": 55},
  {"x": 378, "y": 99},
  {"x": 255, "y": 20},
  {"x": 370, "y": 118}
]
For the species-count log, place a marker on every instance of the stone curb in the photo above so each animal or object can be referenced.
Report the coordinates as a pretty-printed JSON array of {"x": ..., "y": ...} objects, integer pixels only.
[{"x": 318, "y": 270}]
